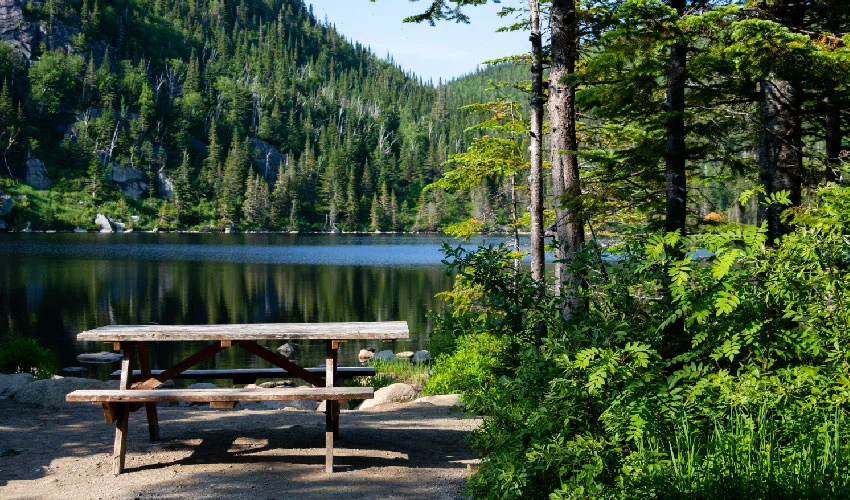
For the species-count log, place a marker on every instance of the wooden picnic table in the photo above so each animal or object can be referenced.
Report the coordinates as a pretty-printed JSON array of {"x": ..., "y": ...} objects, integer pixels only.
[{"x": 137, "y": 389}]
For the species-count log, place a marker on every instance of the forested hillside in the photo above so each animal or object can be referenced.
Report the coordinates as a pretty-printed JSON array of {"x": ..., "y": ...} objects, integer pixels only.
[{"x": 209, "y": 114}]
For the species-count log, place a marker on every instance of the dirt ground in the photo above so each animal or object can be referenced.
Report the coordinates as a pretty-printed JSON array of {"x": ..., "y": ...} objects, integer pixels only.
[{"x": 393, "y": 451}]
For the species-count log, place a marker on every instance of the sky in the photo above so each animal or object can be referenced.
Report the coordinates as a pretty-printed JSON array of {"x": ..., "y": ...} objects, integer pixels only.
[{"x": 445, "y": 51}]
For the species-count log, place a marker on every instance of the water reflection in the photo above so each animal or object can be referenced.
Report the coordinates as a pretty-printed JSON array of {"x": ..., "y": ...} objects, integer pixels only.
[{"x": 53, "y": 286}]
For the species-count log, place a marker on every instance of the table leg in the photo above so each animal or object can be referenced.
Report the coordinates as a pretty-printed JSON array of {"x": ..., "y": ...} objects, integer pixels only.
[
  {"x": 122, "y": 423},
  {"x": 150, "y": 408},
  {"x": 331, "y": 406}
]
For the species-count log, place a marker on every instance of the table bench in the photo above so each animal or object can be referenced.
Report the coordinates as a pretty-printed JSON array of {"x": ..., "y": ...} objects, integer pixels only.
[
  {"x": 139, "y": 388},
  {"x": 250, "y": 375}
]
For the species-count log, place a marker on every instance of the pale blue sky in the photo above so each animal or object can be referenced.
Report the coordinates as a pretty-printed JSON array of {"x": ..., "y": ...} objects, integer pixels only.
[{"x": 445, "y": 51}]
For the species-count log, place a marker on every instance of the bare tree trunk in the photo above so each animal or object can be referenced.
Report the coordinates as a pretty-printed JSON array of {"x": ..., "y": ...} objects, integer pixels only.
[
  {"x": 535, "y": 178},
  {"x": 566, "y": 187},
  {"x": 780, "y": 161}
]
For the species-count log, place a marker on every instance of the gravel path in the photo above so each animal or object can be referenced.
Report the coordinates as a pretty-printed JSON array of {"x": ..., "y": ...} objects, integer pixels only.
[{"x": 392, "y": 451}]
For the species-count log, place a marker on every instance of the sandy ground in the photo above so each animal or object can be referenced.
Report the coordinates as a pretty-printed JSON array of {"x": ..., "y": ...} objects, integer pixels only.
[{"x": 393, "y": 451}]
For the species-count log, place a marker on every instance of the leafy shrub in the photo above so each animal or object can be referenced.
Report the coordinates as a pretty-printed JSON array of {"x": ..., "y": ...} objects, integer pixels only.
[
  {"x": 23, "y": 355},
  {"x": 754, "y": 406}
]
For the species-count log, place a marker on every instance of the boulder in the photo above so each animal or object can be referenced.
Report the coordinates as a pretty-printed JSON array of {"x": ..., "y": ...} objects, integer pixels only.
[
  {"x": 103, "y": 223},
  {"x": 421, "y": 357},
  {"x": 441, "y": 400},
  {"x": 286, "y": 349},
  {"x": 276, "y": 383},
  {"x": 394, "y": 393},
  {"x": 99, "y": 357},
  {"x": 404, "y": 355},
  {"x": 51, "y": 392},
  {"x": 79, "y": 230},
  {"x": 365, "y": 354},
  {"x": 11, "y": 384},
  {"x": 36, "y": 175},
  {"x": 6, "y": 205},
  {"x": 385, "y": 355}
]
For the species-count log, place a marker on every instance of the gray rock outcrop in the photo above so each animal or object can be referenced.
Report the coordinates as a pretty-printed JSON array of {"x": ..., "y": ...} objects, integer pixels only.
[
  {"x": 51, "y": 392},
  {"x": 24, "y": 36},
  {"x": 6, "y": 205},
  {"x": 267, "y": 159},
  {"x": 36, "y": 175},
  {"x": 11, "y": 384},
  {"x": 404, "y": 355},
  {"x": 394, "y": 393},
  {"x": 130, "y": 180},
  {"x": 166, "y": 185},
  {"x": 103, "y": 223}
]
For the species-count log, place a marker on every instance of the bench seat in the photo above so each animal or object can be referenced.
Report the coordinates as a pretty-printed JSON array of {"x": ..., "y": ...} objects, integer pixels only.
[
  {"x": 220, "y": 395},
  {"x": 250, "y": 375}
]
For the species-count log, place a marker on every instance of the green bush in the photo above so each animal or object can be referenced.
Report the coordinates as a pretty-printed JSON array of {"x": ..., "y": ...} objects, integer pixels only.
[
  {"x": 753, "y": 406},
  {"x": 24, "y": 355}
]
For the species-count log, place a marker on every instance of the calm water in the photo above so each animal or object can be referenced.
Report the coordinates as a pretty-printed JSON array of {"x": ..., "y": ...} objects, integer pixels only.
[{"x": 53, "y": 286}]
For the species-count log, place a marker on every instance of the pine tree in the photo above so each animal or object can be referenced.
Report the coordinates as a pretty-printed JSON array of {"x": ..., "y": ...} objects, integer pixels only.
[
  {"x": 212, "y": 164},
  {"x": 182, "y": 190}
]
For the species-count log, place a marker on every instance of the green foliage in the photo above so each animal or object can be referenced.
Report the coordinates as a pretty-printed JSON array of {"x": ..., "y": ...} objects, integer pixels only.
[
  {"x": 755, "y": 408},
  {"x": 23, "y": 355}
]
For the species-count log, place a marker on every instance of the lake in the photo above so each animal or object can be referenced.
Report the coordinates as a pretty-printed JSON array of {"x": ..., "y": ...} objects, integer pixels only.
[{"x": 53, "y": 286}]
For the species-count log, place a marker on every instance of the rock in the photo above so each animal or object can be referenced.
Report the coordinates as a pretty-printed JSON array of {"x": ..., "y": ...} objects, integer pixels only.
[
  {"x": 422, "y": 357},
  {"x": 10, "y": 384},
  {"x": 123, "y": 174},
  {"x": 307, "y": 405},
  {"x": 335, "y": 230},
  {"x": 99, "y": 357},
  {"x": 74, "y": 370},
  {"x": 36, "y": 175},
  {"x": 365, "y": 354},
  {"x": 103, "y": 223},
  {"x": 2, "y": 225},
  {"x": 79, "y": 230},
  {"x": 393, "y": 393},
  {"x": 267, "y": 159},
  {"x": 135, "y": 218},
  {"x": 404, "y": 355},
  {"x": 441, "y": 400},
  {"x": 286, "y": 349},
  {"x": 166, "y": 185},
  {"x": 6, "y": 205},
  {"x": 27, "y": 228},
  {"x": 51, "y": 392},
  {"x": 201, "y": 385},
  {"x": 385, "y": 355}
]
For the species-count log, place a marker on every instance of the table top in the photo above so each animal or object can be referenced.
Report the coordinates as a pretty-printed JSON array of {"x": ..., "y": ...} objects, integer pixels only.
[{"x": 384, "y": 330}]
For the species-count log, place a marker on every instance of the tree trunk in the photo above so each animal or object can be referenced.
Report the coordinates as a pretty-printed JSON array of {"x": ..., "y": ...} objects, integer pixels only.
[
  {"x": 780, "y": 161},
  {"x": 566, "y": 187},
  {"x": 535, "y": 178},
  {"x": 676, "y": 186},
  {"x": 833, "y": 139}
]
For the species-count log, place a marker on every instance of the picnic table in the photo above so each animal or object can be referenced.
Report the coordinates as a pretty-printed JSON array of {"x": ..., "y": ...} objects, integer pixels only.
[{"x": 140, "y": 388}]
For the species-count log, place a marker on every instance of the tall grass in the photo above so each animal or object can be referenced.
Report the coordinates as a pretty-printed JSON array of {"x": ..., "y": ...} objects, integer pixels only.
[{"x": 764, "y": 455}]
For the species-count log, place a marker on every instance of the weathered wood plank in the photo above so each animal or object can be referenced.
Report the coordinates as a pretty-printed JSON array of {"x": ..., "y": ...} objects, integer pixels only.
[
  {"x": 255, "y": 331},
  {"x": 219, "y": 404},
  {"x": 278, "y": 360},
  {"x": 211, "y": 395},
  {"x": 343, "y": 372}
]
